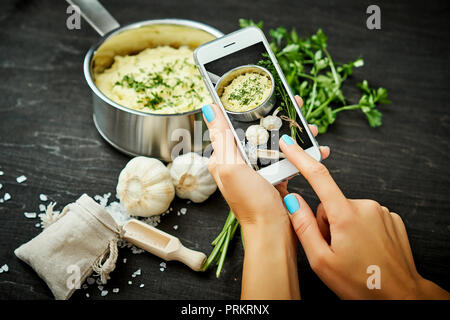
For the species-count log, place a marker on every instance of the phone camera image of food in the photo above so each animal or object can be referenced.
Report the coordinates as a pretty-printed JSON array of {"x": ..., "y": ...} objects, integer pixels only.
[
  {"x": 247, "y": 92},
  {"x": 258, "y": 105}
]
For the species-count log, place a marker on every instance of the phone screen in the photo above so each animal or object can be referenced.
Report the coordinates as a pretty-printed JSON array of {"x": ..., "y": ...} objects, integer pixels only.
[{"x": 257, "y": 103}]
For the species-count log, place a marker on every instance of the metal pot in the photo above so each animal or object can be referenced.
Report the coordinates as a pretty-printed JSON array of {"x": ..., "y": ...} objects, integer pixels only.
[
  {"x": 130, "y": 131},
  {"x": 255, "y": 113}
]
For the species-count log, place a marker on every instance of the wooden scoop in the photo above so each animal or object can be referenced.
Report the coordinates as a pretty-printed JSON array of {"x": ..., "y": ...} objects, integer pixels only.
[{"x": 161, "y": 244}]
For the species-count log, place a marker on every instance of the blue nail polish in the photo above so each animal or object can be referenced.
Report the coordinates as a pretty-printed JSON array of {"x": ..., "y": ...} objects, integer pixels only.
[
  {"x": 287, "y": 139},
  {"x": 291, "y": 203},
  {"x": 208, "y": 112}
]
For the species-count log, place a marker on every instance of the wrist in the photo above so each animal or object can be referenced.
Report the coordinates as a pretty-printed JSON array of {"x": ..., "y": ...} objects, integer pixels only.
[
  {"x": 270, "y": 262},
  {"x": 428, "y": 290},
  {"x": 270, "y": 234}
]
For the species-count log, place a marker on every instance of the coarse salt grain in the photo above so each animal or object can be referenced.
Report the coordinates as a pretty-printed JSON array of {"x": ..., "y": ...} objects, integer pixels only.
[
  {"x": 183, "y": 211},
  {"x": 153, "y": 220},
  {"x": 87, "y": 295},
  {"x": 41, "y": 207},
  {"x": 115, "y": 290},
  {"x": 90, "y": 281},
  {"x": 1, "y": 186},
  {"x": 30, "y": 215},
  {"x": 136, "y": 250},
  {"x": 161, "y": 269},
  {"x": 21, "y": 179},
  {"x": 104, "y": 293},
  {"x": 142, "y": 285},
  {"x": 130, "y": 282},
  {"x": 163, "y": 264},
  {"x": 85, "y": 286},
  {"x": 1, "y": 173},
  {"x": 5, "y": 268},
  {"x": 125, "y": 260},
  {"x": 136, "y": 273},
  {"x": 6, "y": 197},
  {"x": 37, "y": 225},
  {"x": 100, "y": 288},
  {"x": 43, "y": 197},
  {"x": 175, "y": 227},
  {"x": 103, "y": 200}
]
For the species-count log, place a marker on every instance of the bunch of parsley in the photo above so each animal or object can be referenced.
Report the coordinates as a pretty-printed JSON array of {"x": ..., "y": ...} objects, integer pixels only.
[{"x": 313, "y": 75}]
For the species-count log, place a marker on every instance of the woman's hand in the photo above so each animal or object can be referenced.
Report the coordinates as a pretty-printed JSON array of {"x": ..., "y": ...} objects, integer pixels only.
[
  {"x": 357, "y": 247},
  {"x": 270, "y": 261},
  {"x": 253, "y": 199}
]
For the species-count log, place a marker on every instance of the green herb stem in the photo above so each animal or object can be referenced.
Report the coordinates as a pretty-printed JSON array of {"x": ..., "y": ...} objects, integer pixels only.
[
  {"x": 319, "y": 109},
  {"x": 349, "y": 107},
  {"x": 213, "y": 254},
  {"x": 307, "y": 76},
  {"x": 224, "y": 252},
  {"x": 230, "y": 219},
  {"x": 313, "y": 99},
  {"x": 333, "y": 69}
]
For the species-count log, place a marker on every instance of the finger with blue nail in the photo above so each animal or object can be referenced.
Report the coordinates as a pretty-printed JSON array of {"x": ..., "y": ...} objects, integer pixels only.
[{"x": 303, "y": 220}]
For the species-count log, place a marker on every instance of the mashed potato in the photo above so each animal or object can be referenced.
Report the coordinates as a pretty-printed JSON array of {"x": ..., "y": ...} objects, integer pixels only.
[
  {"x": 246, "y": 92},
  {"x": 157, "y": 80}
]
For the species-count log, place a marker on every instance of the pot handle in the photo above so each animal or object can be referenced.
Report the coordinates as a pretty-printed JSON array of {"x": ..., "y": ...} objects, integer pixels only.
[{"x": 96, "y": 15}]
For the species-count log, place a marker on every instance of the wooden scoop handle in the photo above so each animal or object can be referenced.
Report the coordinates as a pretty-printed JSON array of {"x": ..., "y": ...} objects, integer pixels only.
[
  {"x": 162, "y": 244},
  {"x": 193, "y": 259}
]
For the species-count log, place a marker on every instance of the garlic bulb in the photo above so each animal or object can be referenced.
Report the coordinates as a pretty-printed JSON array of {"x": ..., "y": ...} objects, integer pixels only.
[
  {"x": 271, "y": 123},
  {"x": 191, "y": 177},
  {"x": 145, "y": 187},
  {"x": 257, "y": 135}
]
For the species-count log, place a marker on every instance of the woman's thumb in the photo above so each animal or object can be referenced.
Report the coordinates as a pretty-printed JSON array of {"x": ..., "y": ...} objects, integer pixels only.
[{"x": 305, "y": 225}]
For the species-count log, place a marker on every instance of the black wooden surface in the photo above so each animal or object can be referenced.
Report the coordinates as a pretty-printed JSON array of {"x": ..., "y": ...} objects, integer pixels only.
[{"x": 47, "y": 134}]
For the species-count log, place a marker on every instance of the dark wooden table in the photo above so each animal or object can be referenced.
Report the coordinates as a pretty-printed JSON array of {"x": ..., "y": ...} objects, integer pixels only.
[{"x": 47, "y": 134}]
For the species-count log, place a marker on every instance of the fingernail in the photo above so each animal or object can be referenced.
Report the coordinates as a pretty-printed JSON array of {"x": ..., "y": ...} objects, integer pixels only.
[
  {"x": 291, "y": 203},
  {"x": 208, "y": 112},
  {"x": 287, "y": 139},
  {"x": 315, "y": 125}
]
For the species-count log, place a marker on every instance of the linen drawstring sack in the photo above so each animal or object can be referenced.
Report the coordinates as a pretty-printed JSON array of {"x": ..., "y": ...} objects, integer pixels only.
[{"x": 81, "y": 239}]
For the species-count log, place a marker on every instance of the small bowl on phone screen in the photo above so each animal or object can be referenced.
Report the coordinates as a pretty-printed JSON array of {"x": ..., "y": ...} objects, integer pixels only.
[{"x": 247, "y": 92}]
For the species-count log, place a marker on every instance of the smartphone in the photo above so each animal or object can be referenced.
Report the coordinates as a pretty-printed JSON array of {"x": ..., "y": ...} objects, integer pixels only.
[{"x": 243, "y": 77}]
